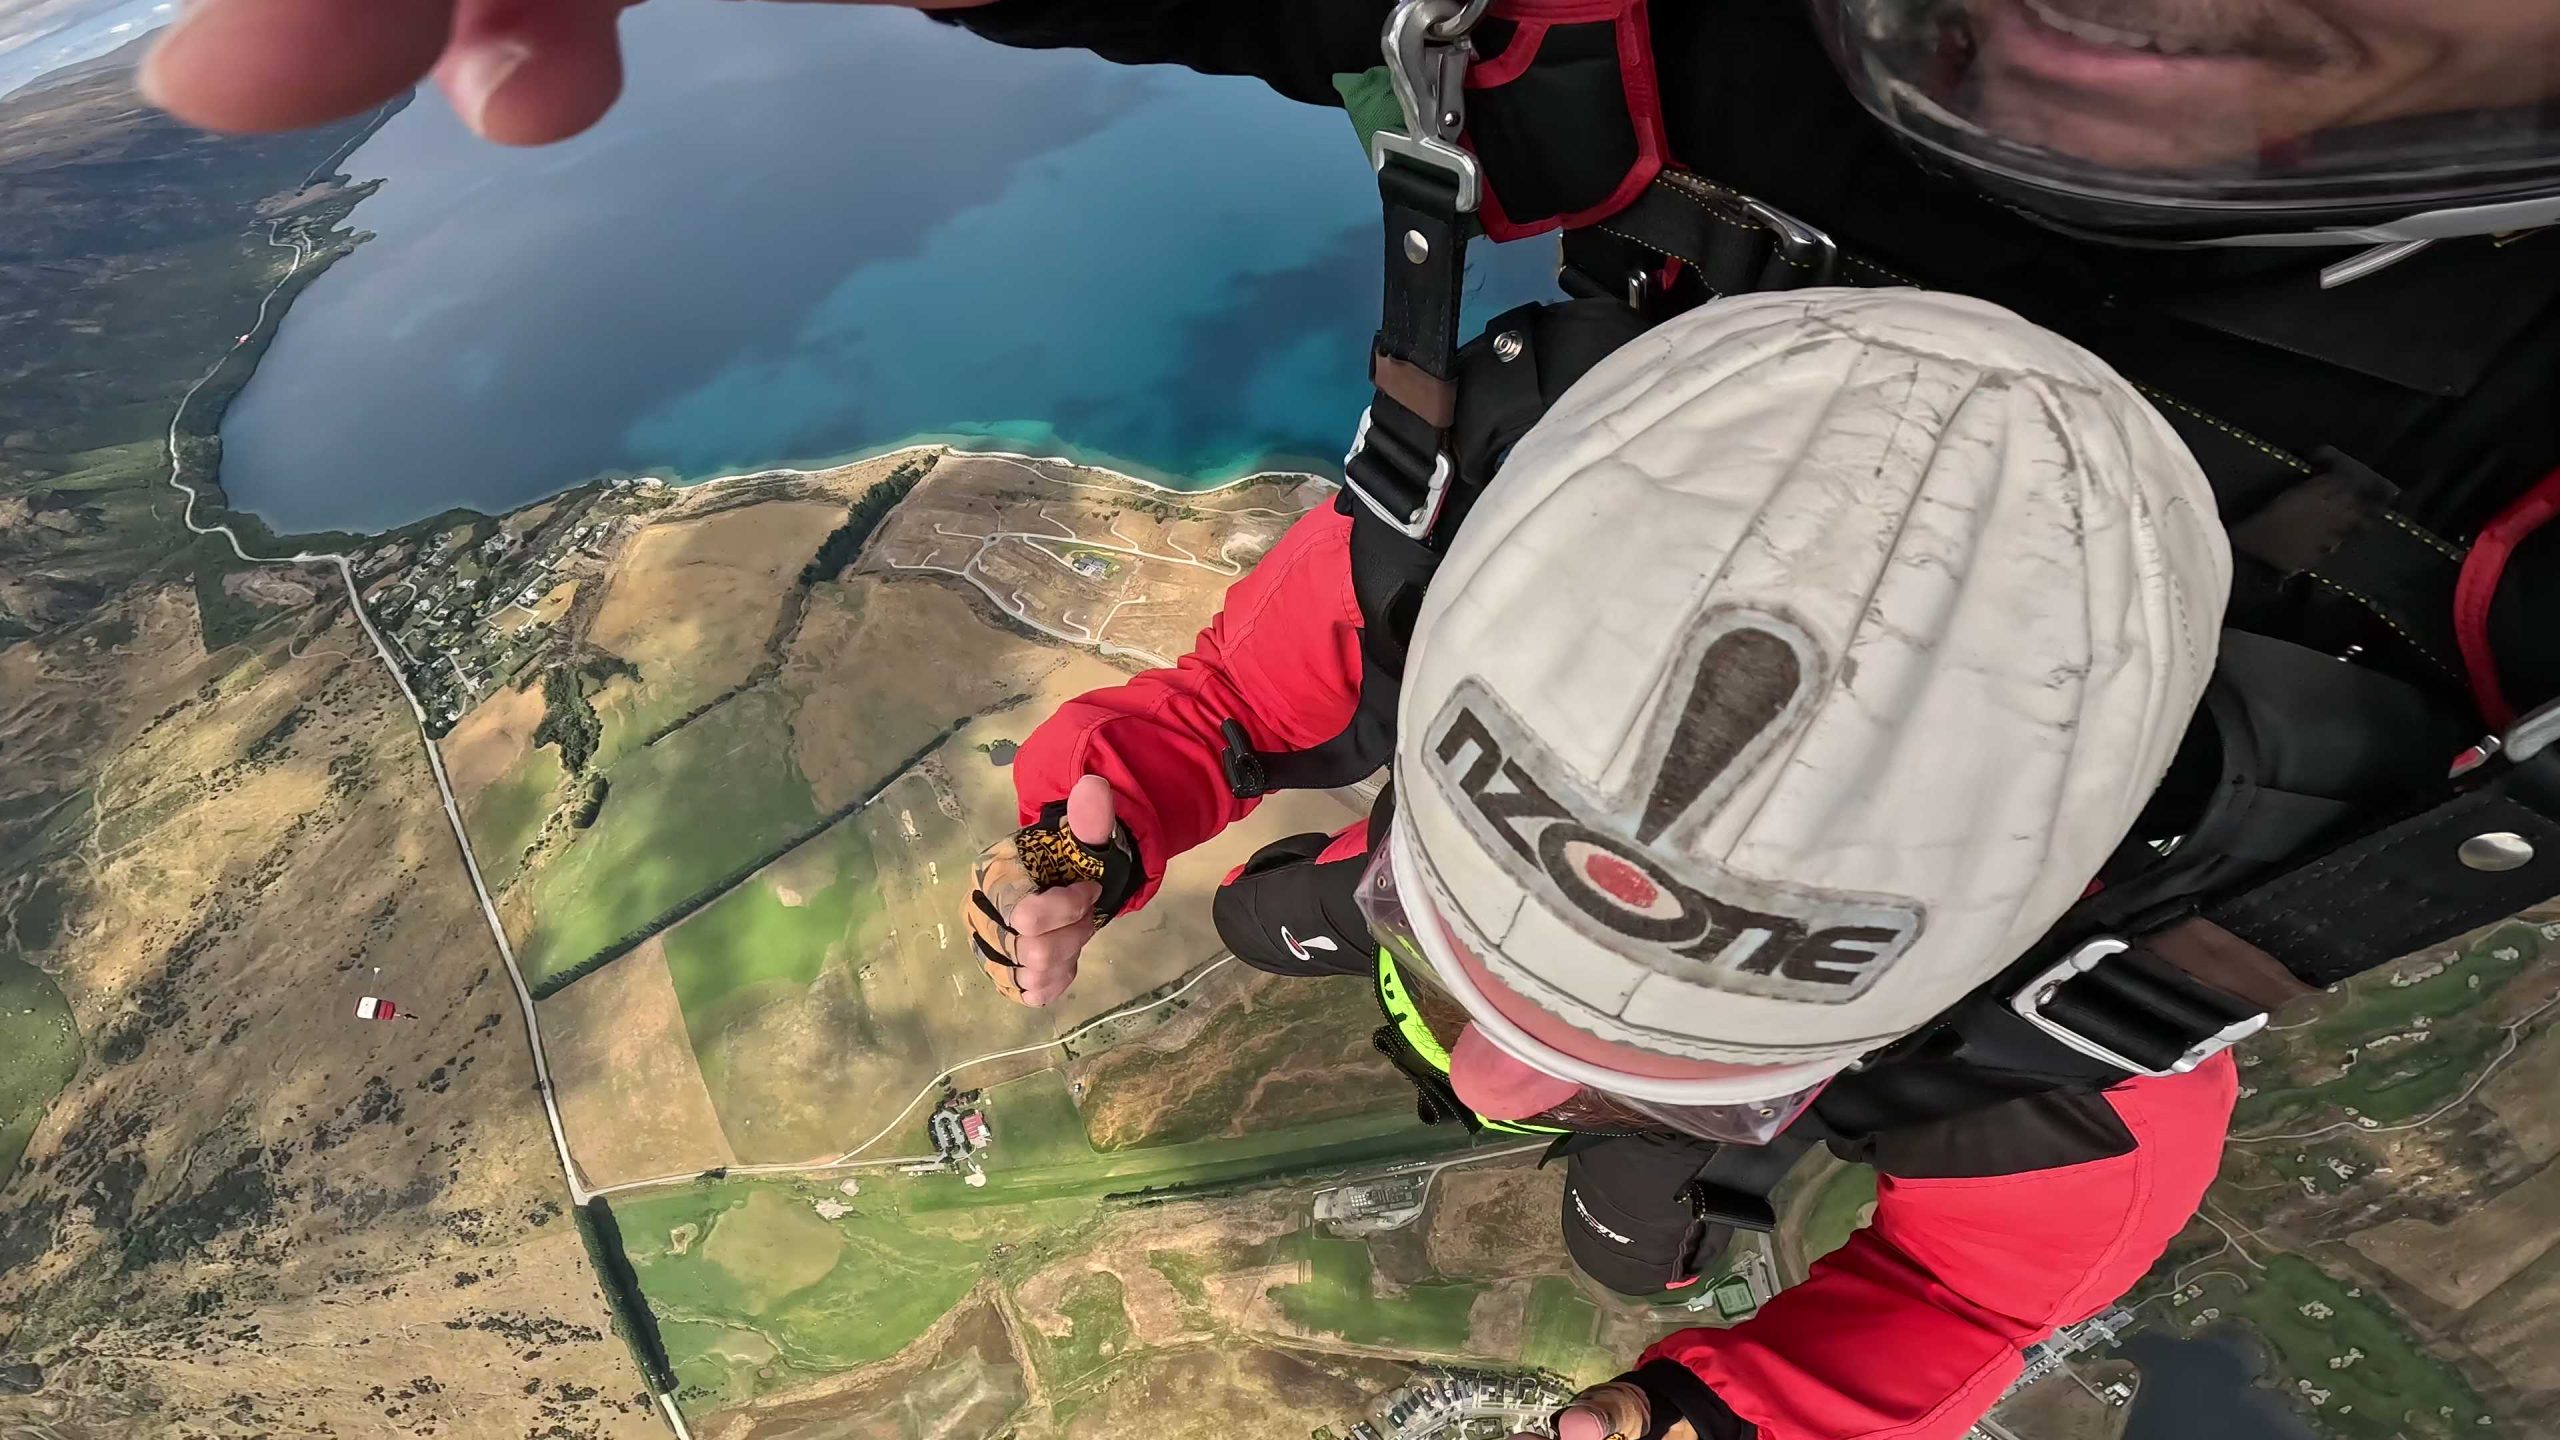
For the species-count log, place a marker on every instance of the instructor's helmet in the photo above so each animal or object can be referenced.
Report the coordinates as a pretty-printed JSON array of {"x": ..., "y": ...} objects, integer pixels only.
[
  {"x": 2237, "y": 121},
  {"x": 1800, "y": 669}
]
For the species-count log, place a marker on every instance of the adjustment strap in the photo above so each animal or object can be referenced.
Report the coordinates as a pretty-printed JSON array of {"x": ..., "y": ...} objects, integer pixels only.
[
  {"x": 1675, "y": 1393},
  {"x": 1735, "y": 245},
  {"x": 1426, "y": 266},
  {"x": 1399, "y": 466}
]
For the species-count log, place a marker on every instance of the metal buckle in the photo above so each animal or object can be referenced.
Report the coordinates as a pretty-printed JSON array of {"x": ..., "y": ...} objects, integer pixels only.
[
  {"x": 2036, "y": 994},
  {"x": 1808, "y": 246},
  {"x": 1425, "y": 43},
  {"x": 2522, "y": 741},
  {"x": 1434, "y": 492},
  {"x": 2533, "y": 734}
]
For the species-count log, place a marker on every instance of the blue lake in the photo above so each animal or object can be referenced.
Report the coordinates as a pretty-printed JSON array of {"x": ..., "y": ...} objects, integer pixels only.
[
  {"x": 812, "y": 231},
  {"x": 2205, "y": 1389}
]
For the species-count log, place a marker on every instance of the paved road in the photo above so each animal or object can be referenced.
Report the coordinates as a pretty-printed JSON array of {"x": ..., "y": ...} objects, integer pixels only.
[{"x": 578, "y": 1192}]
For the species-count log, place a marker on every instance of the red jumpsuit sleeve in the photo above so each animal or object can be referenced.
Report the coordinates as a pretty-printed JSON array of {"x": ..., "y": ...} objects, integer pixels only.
[
  {"x": 1282, "y": 657},
  {"x": 1913, "y": 1328}
]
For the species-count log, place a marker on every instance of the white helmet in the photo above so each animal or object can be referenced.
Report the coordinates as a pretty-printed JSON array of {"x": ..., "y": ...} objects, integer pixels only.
[{"x": 1801, "y": 667}]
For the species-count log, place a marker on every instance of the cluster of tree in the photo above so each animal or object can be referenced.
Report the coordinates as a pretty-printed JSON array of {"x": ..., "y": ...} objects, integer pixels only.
[
  {"x": 568, "y": 720},
  {"x": 838, "y": 549},
  {"x": 589, "y": 801},
  {"x": 632, "y": 1318}
]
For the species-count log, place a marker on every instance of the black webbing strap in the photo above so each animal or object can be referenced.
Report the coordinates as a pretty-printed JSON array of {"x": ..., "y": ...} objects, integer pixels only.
[
  {"x": 2472, "y": 860},
  {"x": 1673, "y": 1392},
  {"x": 1734, "y": 1186},
  {"x": 1399, "y": 466},
  {"x": 2335, "y": 528}
]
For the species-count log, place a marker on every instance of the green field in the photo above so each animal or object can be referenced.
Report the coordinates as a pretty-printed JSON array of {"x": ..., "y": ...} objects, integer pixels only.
[
  {"x": 2393, "y": 1390},
  {"x": 1831, "y": 1215},
  {"x": 1361, "y": 1139},
  {"x": 1339, "y": 1297},
  {"x": 504, "y": 818},
  {"x": 685, "y": 813},
  {"x": 749, "y": 948},
  {"x": 758, "y": 1288},
  {"x": 2406, "y": 1080},
  {"x": 39, "y": 1051},
  {"x": 1035, "y": 1124},
  {"x": 1562, "y": 1323},
  {"x": 1097, "y": 1317}
]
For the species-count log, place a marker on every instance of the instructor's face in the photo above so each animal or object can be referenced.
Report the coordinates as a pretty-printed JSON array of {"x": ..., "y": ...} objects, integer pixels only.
[{"x": 2191, "y": 84}]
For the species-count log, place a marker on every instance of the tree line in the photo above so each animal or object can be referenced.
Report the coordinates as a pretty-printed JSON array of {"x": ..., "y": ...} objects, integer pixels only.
[
  {"x": 559, "y": 980},
  {"x": 838, "y": 549},
  {"x": 632, "y": 1318}
]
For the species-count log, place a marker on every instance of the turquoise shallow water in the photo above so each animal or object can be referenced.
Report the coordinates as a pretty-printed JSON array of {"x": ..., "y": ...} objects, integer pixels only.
[{"x": 813, "y": 231}]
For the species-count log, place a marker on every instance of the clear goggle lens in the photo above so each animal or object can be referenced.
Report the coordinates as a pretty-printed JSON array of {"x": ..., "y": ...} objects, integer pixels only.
[{"x": 1448, "y": 1002}]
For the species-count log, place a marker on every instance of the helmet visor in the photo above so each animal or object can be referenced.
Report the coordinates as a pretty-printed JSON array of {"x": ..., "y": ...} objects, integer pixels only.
[
  {"x": 2220, "y": 114},
  {"x": 1740, "y": 1104}
]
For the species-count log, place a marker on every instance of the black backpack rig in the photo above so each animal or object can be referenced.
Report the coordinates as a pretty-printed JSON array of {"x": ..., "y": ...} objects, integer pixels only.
[{"x": 2323, "y": 817}]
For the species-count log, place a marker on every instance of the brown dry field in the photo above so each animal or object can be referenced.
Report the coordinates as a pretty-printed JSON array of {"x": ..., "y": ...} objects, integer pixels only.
[
  {"x": 1229, "y": 1392},
  {"x": 624, "y": 1074},
  {"x": 691, "y": 602},
  {"x": 2517, "y": 1329},
  {"x": 882, "y": 664},
  {"x": 490, "y": 740},
  {"x": 249, "y": 1209},
  {"x": 2459, "y": 1263},
  {"x": 1260, "y": 1053},
  {"x": 2522, "y": 1094},
  {"x": 1498, "y": 1221},
  {"x": 1181, "y": 552}
]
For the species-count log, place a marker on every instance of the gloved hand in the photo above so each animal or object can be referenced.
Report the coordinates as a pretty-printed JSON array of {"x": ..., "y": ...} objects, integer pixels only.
[
  {"x": 1036, "y": 898},
  {"x": 518, "y": 73}
]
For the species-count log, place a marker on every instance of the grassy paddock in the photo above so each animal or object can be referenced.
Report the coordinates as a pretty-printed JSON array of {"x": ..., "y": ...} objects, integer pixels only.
[
  {"x": 683, "y": 814},
  {"x": 748, "y": 1295},
  {"x": 39, "y": 1051},
  {"x": 1832, "y": 1215},
  {"x": 750, "y": 946},
  {"x": 1339, "y": 1297},
  {"x": 1562, "y": 1326},
  {"x": 505, "y": 817},
  {"x": 1035, "y": 1123}
]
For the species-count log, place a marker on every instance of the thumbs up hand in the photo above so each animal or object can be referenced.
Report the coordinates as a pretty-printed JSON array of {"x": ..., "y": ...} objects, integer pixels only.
[{"x": 1034, "y": 897}]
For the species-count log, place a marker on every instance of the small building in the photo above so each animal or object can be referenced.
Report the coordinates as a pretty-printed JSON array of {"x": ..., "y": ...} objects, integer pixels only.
[{"x": 973, "y": 1127}]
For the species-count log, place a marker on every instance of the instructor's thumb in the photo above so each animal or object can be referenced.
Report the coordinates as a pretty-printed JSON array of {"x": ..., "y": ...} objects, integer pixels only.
[
  {"x": 1579, "y": 1423},
  {"x": 1089, "y": 810}
]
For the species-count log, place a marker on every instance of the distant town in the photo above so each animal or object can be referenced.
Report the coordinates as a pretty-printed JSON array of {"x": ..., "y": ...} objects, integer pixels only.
[
  {"x": 1461, "y": 1405},
  {"x": 473, "y": 607}
]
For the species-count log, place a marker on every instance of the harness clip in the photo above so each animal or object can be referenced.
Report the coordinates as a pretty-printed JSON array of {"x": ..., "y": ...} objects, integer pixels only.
[
  {"x": 1426, "y": 49},
  {"x": 2036, "y": 995}
]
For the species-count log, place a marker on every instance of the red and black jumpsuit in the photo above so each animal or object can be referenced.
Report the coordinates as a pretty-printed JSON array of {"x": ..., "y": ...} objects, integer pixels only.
[{"x": 1989, "y": 1231}]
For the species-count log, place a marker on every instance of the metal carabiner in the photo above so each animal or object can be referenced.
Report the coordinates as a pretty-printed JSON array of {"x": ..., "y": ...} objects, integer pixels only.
[{"x": 1426, "y": 49}]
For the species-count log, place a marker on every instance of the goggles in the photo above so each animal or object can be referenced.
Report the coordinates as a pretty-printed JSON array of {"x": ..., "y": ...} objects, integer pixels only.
[
  {"x": 1425, "y": 938},
  {"x": 2260, "y": 123}
]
